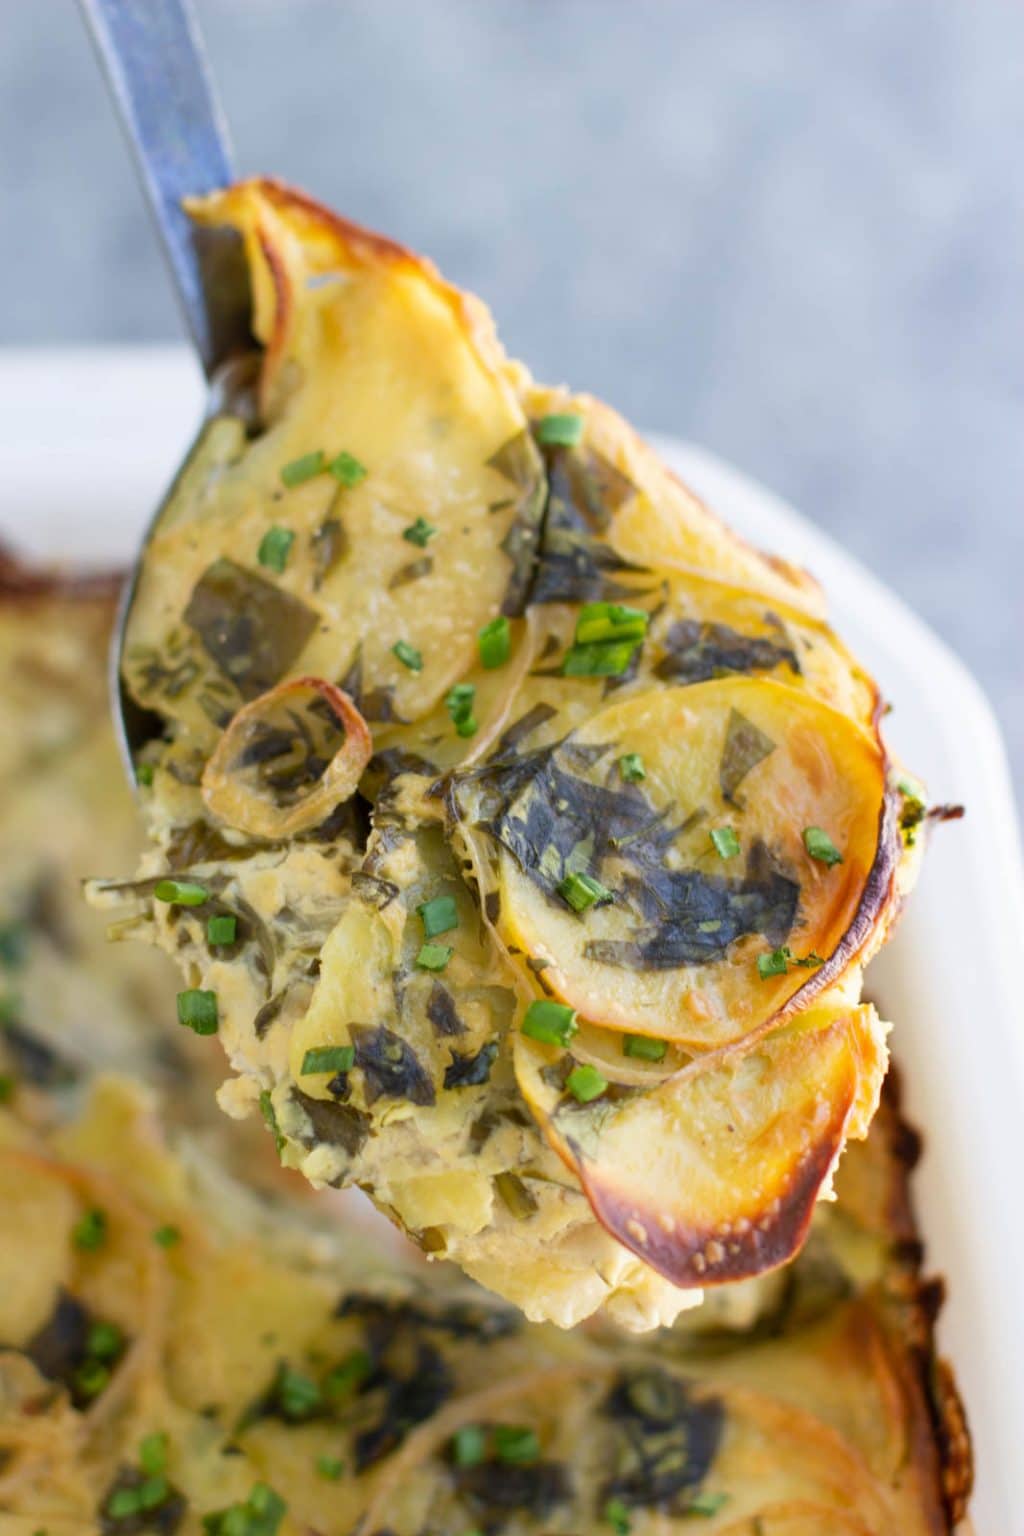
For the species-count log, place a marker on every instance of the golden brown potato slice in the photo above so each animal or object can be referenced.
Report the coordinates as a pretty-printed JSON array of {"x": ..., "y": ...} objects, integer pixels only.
[
  {"x": 391, "y": 499},
  {"x": 735, "y": 881},
  {"x": 713, "y": 1174}
]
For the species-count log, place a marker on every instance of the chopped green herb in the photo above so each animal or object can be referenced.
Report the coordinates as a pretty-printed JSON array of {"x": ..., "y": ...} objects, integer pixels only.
[
  {"x": 581, "y": 891},
  {"x": 330, "y": 1467},
  {"x": 153, "y": 1453},
  {"x": 197, "y": 1010},
  {"x": 152, "y": 1492},
  {"x": 7, "y": 1086},
  {"x": 260, "y": 1515},
  {"x": 727, "y": 844},
  {"x": 90, "y": 1232},
  {"x": 553, "y": 1023},
  {"x": 585, "y": 1083},
  {"x": 706, "y": 1504},
  {"x": 269, "y": 1114},
  {"x": 275, "y": 547},
  {"x": 91, "y": 1378},
  {"x": 419, "y": 533},
  {"x": 600, "y": 622},
  {"x": 617, "y": 1516},
  {"x": 609, "y": 660},
  {"x": 774, "y": 964},
  {"x": 459, "y": 704},
  {"x": 298, "y": 1395},
  {"x": 181, "y": 893},
  {"x": 166, "y": 1236},
  {"x": 304, "y": 468},
  {"x": 343, "y": 1380},
  {"x": 644, "y": 1048},
  {"x": 495, "y": 643},
  {"x": 346, "y": 469},
  {"x": 439, "y": 915},
  {"x": 328, "y": 1058},
  {"x": 104, "y": 1341},
  {"x": 408, "y": 655},
  {"x": 560, "y": 429},
  {"x": 434, "y": 957},
  {"x": 221, "y": 929},
  {"x": 914, "y": 810},
  {"x": 144, "y": 774},
  {"x": 469, "y": 1445},
  {"x": 631, "y": 767},
  {"x": 821, "y": 847},
  {"x": 515, "y": 1443},
  {"x": 123, "y": 1503}
]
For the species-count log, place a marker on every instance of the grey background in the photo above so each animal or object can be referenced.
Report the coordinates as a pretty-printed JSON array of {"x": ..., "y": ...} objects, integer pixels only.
[{"x": 791, "y": 231}]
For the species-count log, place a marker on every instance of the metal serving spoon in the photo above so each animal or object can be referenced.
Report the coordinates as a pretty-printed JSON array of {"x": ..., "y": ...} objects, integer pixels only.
[{"x": 155, "y": 64}]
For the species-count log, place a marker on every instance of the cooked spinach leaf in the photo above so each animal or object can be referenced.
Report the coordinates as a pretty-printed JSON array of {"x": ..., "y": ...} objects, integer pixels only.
[
  {"x": 341, "y": 1125},
  {"x": 695, "y": 652},
  {"x": 745, "y": 747},
  {"x": 668, "y": 1440},
  {"x": 519, "y": 461},
  {"x": 391, "y": 1069},
  {"x": 442, "y": 1013},
  {"x": 470, "y": 1071},
  {"x": 253, "y": 630}
]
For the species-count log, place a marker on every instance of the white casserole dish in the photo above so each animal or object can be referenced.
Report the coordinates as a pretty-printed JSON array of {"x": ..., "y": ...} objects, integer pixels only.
[{"x": 88, "y": 442}]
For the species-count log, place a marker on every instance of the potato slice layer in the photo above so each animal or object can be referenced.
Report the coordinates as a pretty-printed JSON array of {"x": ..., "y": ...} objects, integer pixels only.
[
  {"x": 715, "y": 913},
  {"x": 713, "y": 1175}
]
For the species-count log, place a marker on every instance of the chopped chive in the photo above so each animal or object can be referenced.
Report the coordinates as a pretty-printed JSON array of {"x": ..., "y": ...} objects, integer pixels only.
[
  {"x": 346, "y": 468},
  {"x": 144, "y": 774},
  {"x": 342, "y": 1381},
  {"x": 303, "y": 468},
  {"x": 516, "y": 1444},
  {"x": 90, "y": 1232},
  {"x": 821, "y": 847},
  {"x": 103, "y": 1341},
  {"x": 495, "y": 643},
  {"x": 616, "y": 1514},
  {"x": 153, "y": 1453},
  {"x": 330, "y": 1467},
  {"x": 727, "y": 844},
  {"x": 585, "y": 1083},
  {"x": 408, "y": 655},
  {"x": 469, "y": 1444},
  {"x": 553, "y": 1023},
  {"x": 269, "y": 1114},
  {"x": 559, "y": 429},
  {"x": 581, "y": 891},
  {"x": 644, "y": 1048},
  {"x": 221, "y": 929},
  {"x": 91, "y": 1378},
  {"x": 7, "y": 1087},
  {"x": 438, "y": 916},
  {"x": 774, "y": 964},
  {"x": 275, "y": 547},
  {"x": 153, "y": 1491},
  {"x": 609, "y": 659},
  {"x": 197, "y": 1010},
  {"x": 459, "y": 704},
  {"x": 123, "y": 1503},
  {"x": 298, "y": 1395},
  {"x": 166, "y": 1236},
  {"x": 181, "y": 893},
  {"x": 328, "y": 1058},
  {"x": 706, "y": 1504},
  {"x": 631, "y": 767},
  {"x": 434, "y": 957},
  {"x": 419, "y": 533},
  {"x": 600, "y": 622}
]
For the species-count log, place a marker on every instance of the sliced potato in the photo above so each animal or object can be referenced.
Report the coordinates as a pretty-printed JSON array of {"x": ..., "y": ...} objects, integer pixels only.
[
  {"x": 348, "y": 321},
  {"x": 713, "y": 1175},
  {"x": 672, "y": 949}
]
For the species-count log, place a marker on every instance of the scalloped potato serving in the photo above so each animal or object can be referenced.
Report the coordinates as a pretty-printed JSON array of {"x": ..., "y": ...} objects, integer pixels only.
[{"x": 521, "y": 833}]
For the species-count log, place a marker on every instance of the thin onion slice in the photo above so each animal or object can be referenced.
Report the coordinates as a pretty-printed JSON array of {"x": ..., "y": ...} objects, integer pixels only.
[{"x": 287, "y": 759}]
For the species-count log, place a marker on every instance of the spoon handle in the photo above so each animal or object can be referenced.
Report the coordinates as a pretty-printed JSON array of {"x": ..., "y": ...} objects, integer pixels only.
[{"x": 155, "y": 64}]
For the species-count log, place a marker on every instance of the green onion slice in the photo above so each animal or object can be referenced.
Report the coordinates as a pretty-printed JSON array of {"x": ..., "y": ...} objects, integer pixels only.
[
  {"x": 553, "y": 1023},
  {"x": 328, "y": 1058}
]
